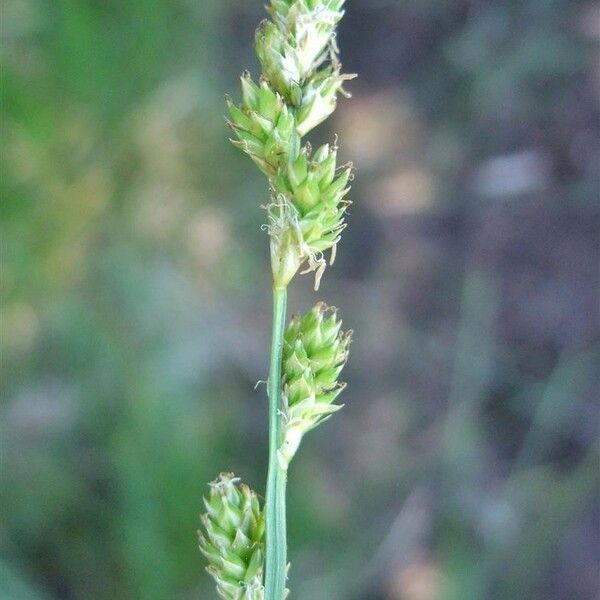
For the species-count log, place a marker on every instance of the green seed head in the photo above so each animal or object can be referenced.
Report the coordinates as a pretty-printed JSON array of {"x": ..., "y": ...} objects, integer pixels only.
[
  {"x": 296, "y": 43},
  {"x": 300, "y": 83},
  {"x": 232, "y": 539},
  {"x": 264, "y": 126},
  {"x": 314, "y": 353},
  {"x": 312, "y": 190}
]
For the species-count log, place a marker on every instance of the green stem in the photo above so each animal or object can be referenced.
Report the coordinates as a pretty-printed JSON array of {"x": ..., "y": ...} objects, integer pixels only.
[{"x": 276, "y": 559}]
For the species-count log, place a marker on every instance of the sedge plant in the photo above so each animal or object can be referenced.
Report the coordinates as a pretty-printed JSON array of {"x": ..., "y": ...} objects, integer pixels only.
[{"x": 301, "y": 80}]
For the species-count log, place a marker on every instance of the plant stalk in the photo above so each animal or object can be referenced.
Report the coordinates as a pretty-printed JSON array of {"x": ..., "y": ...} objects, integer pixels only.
[{"x": 276, "y": 543}]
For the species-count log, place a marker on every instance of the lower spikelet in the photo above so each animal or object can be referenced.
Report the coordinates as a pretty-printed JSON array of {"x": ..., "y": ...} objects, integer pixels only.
[
  {"x": 314, "y": 353},
  {"x": 232, "y": 539}
]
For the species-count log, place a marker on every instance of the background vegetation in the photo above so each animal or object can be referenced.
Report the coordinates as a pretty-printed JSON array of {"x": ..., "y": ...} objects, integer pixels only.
[{"x": 136, "y": 302}]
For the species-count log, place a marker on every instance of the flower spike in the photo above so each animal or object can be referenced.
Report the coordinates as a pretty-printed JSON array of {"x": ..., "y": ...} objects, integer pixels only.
[
  {"x": 314, "y": 353},
  {"x": 298, "y": 89},
  {"x": 232, "y": 539}
]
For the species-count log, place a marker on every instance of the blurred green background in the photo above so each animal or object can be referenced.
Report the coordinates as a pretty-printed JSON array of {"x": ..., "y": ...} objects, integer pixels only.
[{"x": 136, "y": 307}]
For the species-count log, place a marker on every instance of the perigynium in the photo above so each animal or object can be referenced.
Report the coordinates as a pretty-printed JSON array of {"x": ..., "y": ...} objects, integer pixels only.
[{"x": 298, "y": 89}]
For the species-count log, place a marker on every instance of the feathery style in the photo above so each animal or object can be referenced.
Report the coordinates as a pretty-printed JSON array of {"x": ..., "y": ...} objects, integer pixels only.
[{"x": 298, "y": 89}]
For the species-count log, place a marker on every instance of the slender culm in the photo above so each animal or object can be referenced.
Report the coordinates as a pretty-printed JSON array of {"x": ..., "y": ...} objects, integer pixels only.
[{"x": 298, "y": 89}]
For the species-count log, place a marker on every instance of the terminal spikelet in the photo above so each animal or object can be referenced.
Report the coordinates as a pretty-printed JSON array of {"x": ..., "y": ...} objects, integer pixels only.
[
  {"x": 300, "y": 83},
  {"x": 296, "y": 42}
]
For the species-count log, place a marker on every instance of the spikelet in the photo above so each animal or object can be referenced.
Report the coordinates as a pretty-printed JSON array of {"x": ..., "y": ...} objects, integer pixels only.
[
  {"x": 314, "y": 353},
  {"x": 292, "y": 50},
  {"x": 264, "y": 125},
  {"x": 300, "y": 83},
  {"x": 232, "y": 539}
]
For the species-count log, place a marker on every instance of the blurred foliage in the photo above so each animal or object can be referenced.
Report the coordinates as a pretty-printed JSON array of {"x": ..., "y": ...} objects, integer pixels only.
[{"x": 135, "y": 302}]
